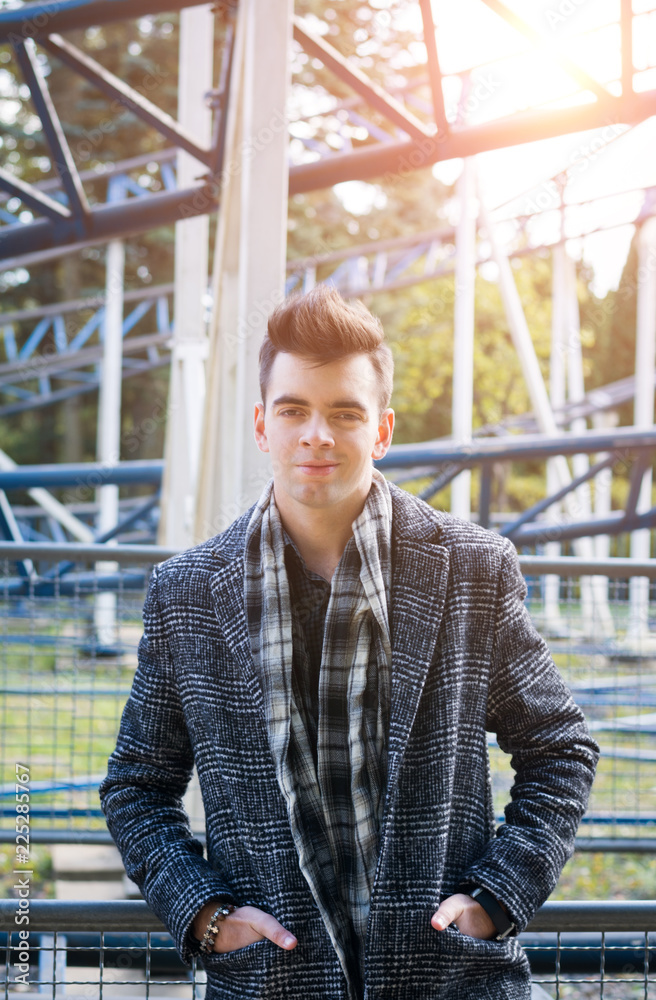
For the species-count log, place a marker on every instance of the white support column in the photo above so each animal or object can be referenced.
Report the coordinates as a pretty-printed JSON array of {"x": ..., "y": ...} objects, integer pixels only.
[
  {"x": 553, "y": 620},
  {"x": 249, "y": 261},
  {"x": 109, "y": 427},
  {"x": 531, "y": 370},
  {"x": 191, "y": 283},
  {"x": 603, "y": 419},
  {"x": 644, "y": 417},
  {"x": 596, "y": 618},
  {"x": 463, "y": 333}
]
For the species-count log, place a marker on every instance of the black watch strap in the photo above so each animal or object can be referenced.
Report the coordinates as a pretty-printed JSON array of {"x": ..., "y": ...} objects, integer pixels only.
[{"x": 495, "y": 912}]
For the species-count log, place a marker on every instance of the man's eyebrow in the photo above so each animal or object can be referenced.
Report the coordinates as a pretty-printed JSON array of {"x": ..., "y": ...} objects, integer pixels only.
[
  {"x": 294, "y": 400},
  {"x": 338, "y": 404}
]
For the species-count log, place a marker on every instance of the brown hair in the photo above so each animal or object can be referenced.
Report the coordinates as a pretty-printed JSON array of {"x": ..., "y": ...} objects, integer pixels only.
[{"x": 323, "y": 327}]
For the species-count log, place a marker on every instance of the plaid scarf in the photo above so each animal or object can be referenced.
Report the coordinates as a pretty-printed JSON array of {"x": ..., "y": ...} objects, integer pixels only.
[{"x": 335, "y": 806}]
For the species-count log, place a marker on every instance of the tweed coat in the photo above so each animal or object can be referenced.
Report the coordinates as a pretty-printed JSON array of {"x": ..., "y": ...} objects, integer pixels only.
[{"x": 465, "y": 659}]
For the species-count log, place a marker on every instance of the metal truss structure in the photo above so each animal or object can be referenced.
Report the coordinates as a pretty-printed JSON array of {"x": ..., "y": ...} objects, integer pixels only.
[
  {"x": 70, "y": 218},
  {"x": 74, "y": 367},
  {"x": 417, "y": 130},
  {"x": 376, "y": 131}
]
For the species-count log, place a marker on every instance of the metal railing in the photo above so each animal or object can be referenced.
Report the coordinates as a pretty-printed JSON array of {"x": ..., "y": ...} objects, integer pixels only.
[{"x": 576, "y": 949}]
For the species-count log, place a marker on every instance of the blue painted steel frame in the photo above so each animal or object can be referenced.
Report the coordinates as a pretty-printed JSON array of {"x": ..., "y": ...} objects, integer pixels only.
[
  {"x": 78, "y": 221},
  {"x": 45, "y": 367}
]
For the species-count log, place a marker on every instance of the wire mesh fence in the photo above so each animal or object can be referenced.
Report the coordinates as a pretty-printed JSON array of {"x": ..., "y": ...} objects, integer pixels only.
[
  {"x": 68, "y": 653},
  {"x": 608, "y": 660},
  {"x": 119, "y": 949},
  {"x": 94, "y": 951}
]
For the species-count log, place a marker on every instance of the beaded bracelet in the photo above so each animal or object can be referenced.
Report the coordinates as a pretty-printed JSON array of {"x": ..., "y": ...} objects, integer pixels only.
[{"x": 210, "y": 935}]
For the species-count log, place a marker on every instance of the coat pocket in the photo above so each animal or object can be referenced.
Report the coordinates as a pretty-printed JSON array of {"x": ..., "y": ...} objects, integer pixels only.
[{"x": 250, "y": 960}]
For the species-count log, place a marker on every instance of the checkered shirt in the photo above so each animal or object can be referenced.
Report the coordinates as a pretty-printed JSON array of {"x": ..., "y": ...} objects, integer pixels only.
[{"x": 335, "y": 793}]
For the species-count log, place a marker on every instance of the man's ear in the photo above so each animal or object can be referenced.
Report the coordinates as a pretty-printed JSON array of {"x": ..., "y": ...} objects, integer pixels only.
[
  {"x": 259, "y": 429},
  {"x": 385, "y": 431}
]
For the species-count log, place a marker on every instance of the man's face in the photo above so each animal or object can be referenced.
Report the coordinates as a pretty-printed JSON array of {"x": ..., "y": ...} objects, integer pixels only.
[{"x": 321, "y": 427}]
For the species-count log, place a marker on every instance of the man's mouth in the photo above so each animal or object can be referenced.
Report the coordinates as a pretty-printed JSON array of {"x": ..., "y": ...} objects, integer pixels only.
[{"x": 317, "y": 468}]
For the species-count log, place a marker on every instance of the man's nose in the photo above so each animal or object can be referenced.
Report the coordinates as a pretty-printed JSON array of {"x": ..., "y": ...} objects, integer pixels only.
[{"x": 317, "y": 433}]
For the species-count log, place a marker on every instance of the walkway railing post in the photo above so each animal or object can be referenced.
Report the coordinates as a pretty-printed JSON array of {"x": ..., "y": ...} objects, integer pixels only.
[
  {"x": 109, "y": 429},
  {"x": 644, "y": 415}
]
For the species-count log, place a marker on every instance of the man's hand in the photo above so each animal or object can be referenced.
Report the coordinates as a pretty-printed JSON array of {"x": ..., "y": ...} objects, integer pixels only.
[
  {"x": 469, "y": 915},
  {"x": 244, "y": 926}
]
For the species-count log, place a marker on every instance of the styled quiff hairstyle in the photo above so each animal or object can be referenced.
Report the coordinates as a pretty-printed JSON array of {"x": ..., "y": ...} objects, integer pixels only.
[{"x": 322, "y": 327}]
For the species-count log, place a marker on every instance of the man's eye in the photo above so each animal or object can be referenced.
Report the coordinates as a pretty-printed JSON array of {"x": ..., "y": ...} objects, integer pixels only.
[
  {"x": 348, "y": 416},
  {"x": 289, "y": 413}
]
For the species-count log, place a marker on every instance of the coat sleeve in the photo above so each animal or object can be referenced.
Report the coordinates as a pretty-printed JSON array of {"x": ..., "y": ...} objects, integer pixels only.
[
  {"x": 141, "y": 796},
  {"x": 552, "y": 753}
]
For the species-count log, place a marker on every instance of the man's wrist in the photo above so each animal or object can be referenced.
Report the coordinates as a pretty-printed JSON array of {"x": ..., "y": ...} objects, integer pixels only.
[
  {"x": 495, "y": 910},
  {"x": 203, "y": 917}
]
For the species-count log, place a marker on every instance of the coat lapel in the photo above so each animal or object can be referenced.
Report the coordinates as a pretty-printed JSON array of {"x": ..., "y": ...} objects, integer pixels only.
[
  {"x": 419, "y": 583},
  {"x": 227, "y": 590}
]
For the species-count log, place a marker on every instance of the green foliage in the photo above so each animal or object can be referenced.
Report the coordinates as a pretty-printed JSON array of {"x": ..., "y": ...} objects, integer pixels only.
[
  {"x": 41, "y": 882},
  {"x": 607, "y": 876}
]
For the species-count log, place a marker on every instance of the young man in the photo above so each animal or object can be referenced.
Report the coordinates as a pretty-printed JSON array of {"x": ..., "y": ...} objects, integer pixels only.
[{"x": 331, "y": 664}]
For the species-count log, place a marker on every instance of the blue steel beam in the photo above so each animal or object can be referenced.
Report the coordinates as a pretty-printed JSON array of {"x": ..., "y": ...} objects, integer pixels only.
[
  {"x": 116, "y": 89},
  {"x": 31, "y": 20},
  {"x": 434, "y": 72},
  {"x": 132, "y": 518},
  {"x": 635, "y": 483},
  {"x": 134, "y": 915},
  {"x": 77, "y": 584},
  {"x": 441, "y": 480},
  {"x": 86, "y": 475},
  {"x": 219, "y": 98},
  {"x": 532, "y": 512},
  {"x": 375, "y": 96},
  {"x": 616, "y": 524},
  {"x": 621, "y": 441},
  {"x": 153, "y": 292},
  {"x": 378, "y": 159},
  {"x": 485, "y": 495},
  {"x": 32, "y": 197},
  {"x": 36, "y": 401},
  {"x": 54, "y": 133},
  {"x": 113, "y": 220}
]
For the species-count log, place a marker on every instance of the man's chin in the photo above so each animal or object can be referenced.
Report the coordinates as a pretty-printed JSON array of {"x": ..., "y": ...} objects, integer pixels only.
[{"x": 317, "y": 492}]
